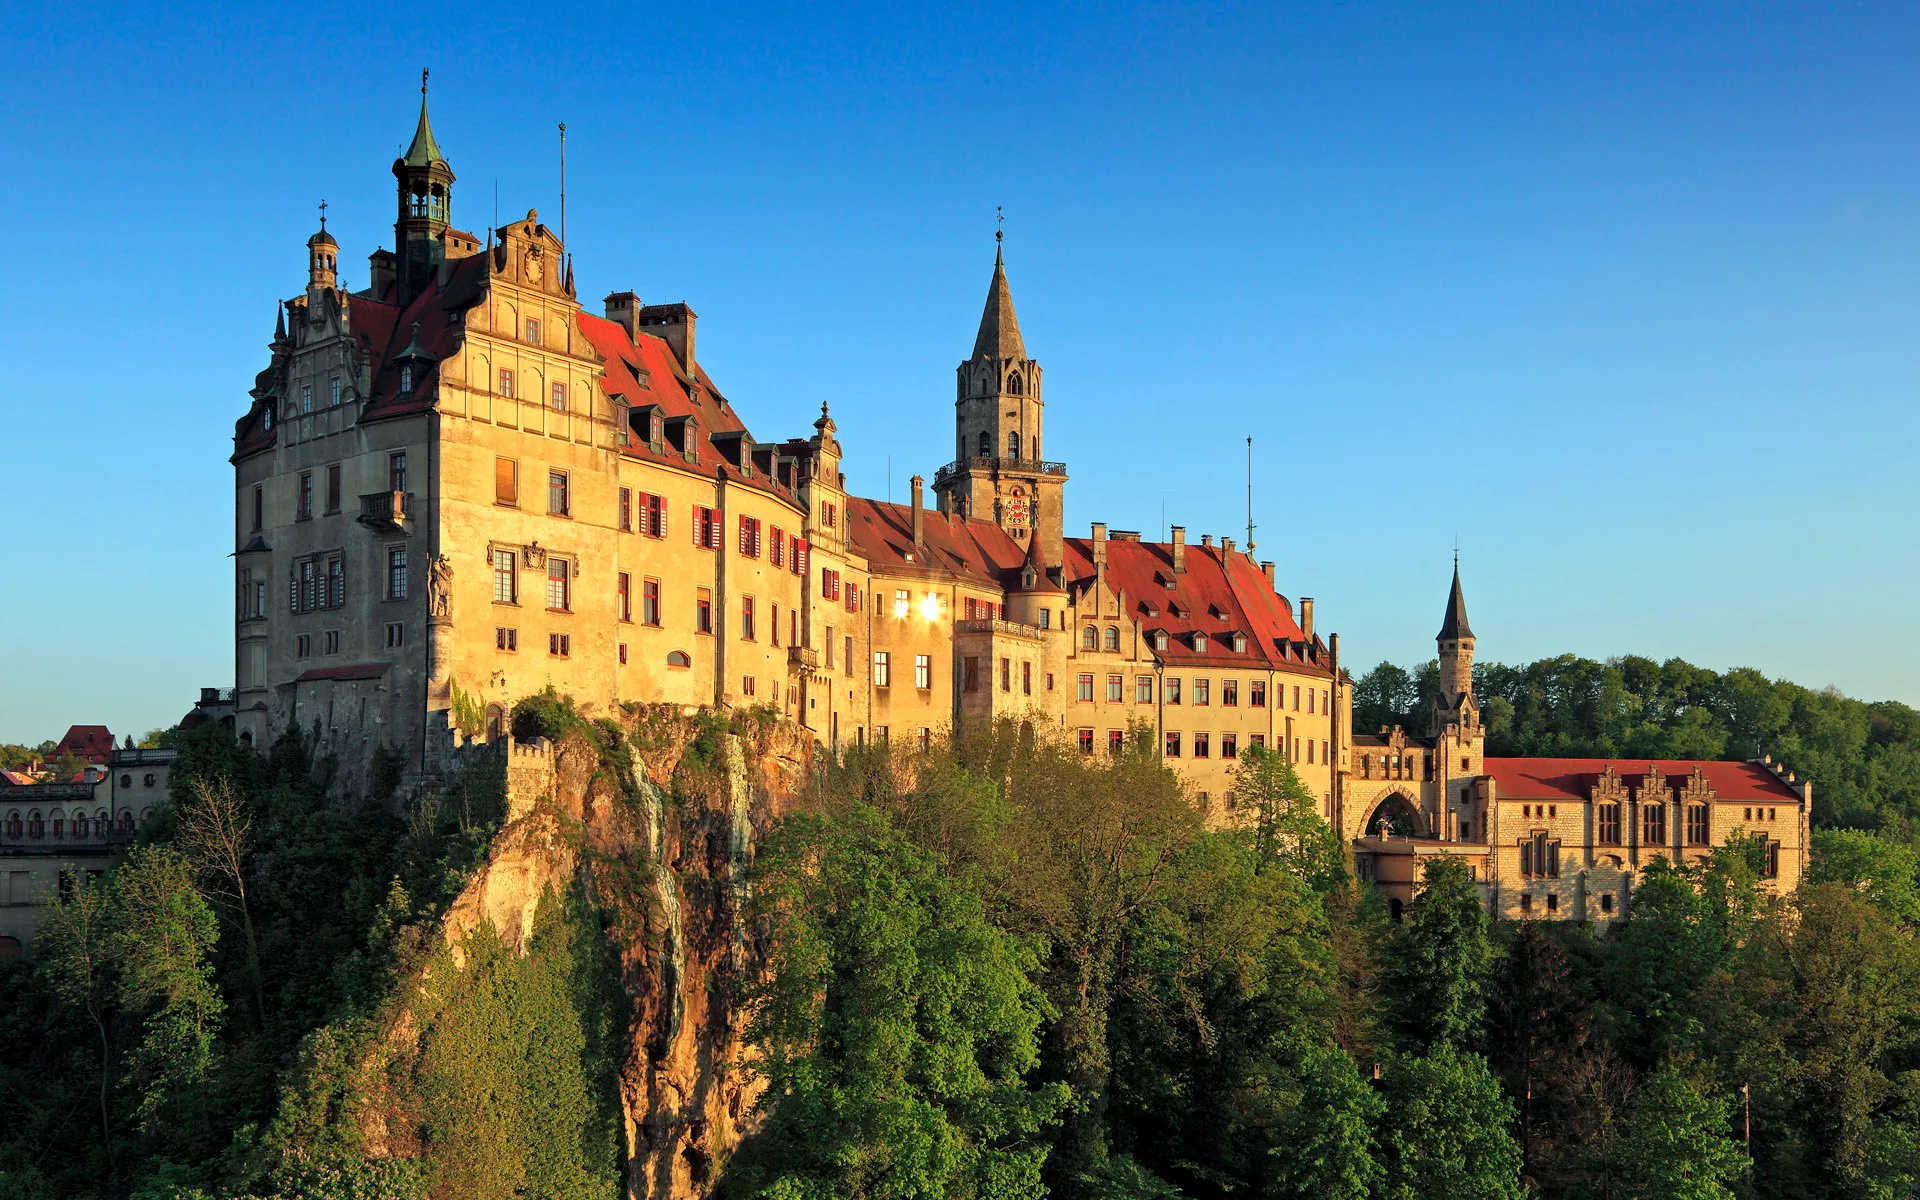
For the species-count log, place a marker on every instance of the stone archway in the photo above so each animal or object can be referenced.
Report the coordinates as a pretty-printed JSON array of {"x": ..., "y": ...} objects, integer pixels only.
[{"x": 1395, "y": 815}]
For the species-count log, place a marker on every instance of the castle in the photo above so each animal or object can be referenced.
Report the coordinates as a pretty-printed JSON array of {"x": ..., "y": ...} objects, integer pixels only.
[{"x": 471, "y": 489}]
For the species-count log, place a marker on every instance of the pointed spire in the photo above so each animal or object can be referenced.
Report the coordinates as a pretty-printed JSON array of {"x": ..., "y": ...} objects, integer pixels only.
[
  {"x": 423, "y": 150},
  {"x": 279, "y": 323},
  {"x": 999, "y": 330},
  {"x": 1455, "y": 625}
]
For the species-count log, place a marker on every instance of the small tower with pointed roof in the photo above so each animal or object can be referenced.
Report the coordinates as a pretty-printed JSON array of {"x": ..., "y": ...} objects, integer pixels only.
[
  {"x": 1455, "y": 705},
  {"x": 323, "y": 257},
  {"x": 998, "y": 472},
  {"x": 426, "y": 206}
]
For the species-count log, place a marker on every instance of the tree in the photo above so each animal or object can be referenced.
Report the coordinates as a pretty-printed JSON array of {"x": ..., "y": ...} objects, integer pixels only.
[
  {"x": 1534, "y": 1020},
  {"x": 1324, "y": 1150},
  {"x": 1441, "y": 955},
  {"x": 1384, "y": 696},
  {"x": 1284, "y": 818},
  {"x": 1878, "y": 867},
  {"x": 164, "y": 940},
  {"x": 1445, "y": 1134},
  {"x": 1675, "y": 1143},
  {"x": 899, "y": 1025},
  {"x": 215, "y": 830},
  {"x": 76, "y": 949}
]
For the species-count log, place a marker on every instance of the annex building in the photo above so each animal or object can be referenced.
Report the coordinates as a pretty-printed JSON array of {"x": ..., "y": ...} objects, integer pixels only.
[{"x": 458, "y": 487}]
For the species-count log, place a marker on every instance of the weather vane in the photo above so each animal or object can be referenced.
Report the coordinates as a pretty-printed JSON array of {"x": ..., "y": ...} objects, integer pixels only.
[{"x": 999, "y": 222}]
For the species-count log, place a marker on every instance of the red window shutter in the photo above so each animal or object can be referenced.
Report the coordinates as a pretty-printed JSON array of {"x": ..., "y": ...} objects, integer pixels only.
[
  {"x": 699, "y": 535},
  {"x": 800, "y": 557},
  {"x": 745, "y": 547}
]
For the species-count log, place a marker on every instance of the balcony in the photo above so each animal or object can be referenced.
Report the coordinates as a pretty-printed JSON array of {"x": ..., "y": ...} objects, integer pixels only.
[
  {"x": 1026, "y": 466},
  {"x": 1008, "y": 628},
  {"x": 384, "y": 510},
  {"x": 803, "y": 661}
]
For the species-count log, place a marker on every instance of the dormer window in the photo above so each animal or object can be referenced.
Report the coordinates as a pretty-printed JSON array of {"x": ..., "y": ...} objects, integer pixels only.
[
  {"x": 1239, "y": 642},
  {"x": 1199, "y": 642},
  {"x": 1160, "y": 640},
  {"x": 266, "y": 419},
  {"x": 406, "y": 381},
  {"x": 657, "y": 428}
]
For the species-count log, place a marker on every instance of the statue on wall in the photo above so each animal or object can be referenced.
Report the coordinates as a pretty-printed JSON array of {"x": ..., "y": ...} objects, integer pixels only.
[{"x": 440, "y": 586}]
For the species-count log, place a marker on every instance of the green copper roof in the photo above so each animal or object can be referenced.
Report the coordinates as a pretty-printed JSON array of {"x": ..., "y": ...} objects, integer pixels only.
[{"x": 423, "y": 151}]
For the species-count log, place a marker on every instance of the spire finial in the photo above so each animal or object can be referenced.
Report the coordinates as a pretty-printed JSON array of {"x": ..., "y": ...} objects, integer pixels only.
[
  {"x": 999, "y": 230},
  {"x": 423, "y": 81},
  {"x": 323, "y": 215}
]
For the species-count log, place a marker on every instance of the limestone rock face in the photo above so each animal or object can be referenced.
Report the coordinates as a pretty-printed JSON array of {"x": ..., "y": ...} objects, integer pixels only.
[{"x": 663, "y": 853}]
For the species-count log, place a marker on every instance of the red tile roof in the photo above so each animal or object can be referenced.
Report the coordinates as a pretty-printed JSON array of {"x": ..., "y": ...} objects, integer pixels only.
[
  {"x": 1573, "y": 778},
  {"x": 970, "y": 549},
  {"x": 90, "y": 742},
  {"x": 345, "y": 674}
]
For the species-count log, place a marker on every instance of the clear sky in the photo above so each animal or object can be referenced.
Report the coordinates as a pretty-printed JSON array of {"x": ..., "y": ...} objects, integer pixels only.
[{"x": 1621, "y": 296}]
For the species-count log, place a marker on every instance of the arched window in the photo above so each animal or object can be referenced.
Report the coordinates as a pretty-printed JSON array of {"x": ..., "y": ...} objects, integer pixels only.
[
  {"x": 986, "y": 444},
  {"x": 1013, "y": 444},
  {"x": 126, "y": 781},
  {"x": 680, "y": 659},
  {"x": 149, "y": 780},
  {"x": 1113, "y": 637},
  {"x": 126, "y": 819},
  {"x": 1090, "y": 638},
  {"x": 81, "y": 826},
  {"x": 101, "y": 824},
  {"x": 35, "y": 826},
  {"x": 146, "y": 814},
  {"x": 59, "y": 823},
  {"x": 14, "y": 827},
  {"x": 1013, "y": 384}
]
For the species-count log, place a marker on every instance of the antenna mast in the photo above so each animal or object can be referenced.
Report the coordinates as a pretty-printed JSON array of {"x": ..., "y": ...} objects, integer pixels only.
[
  {"x": 1249, "y": 497},
  {"x": 563, "y": 183}
]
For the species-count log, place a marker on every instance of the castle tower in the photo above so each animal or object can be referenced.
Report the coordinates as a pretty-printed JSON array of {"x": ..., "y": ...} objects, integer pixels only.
[
  {"x": 426, "y": 205},
  {"x": 323, "y": 260},
  {"x": 1455, "y": 705},
  {"x": 998, "y": 472}
]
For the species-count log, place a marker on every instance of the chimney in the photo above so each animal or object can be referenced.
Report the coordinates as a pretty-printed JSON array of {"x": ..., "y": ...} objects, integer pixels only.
[
  {"x": 1206, "y": 539},
  {"x": 1226, "y": 548},
  {"x": 623, "y": 309},
  {"x": 380, "y": 271},
  {"x": 1099, "y": 555},
  {"x": 1266, "y": 568},
  {"x": 919, "y": 534},
  {"x": 672, "y": 323},
  {"x": 1306, "y": 619},
  {"x": 1179, "y": 548}
]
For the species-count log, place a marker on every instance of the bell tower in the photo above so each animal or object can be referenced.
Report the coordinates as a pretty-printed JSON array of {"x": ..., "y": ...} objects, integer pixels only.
[
  {"x": 1455, "y": 707},
  {"x": 998, "y": 473},
  {"x": 426, "y": 205}
]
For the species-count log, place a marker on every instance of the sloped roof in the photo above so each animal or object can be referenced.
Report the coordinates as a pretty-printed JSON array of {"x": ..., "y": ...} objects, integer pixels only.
[
  {"x": 345, "y": 674},
  {"x": 1454, "y": 624},
  {"x": 91, "y": 742},
  {"x": 1573, "y": 778},
  {"x": 971, "y": 549},
  {"x": 999, "y": 335}
]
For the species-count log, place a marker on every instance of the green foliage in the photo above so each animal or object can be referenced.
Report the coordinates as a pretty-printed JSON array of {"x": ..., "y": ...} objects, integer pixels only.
[
  {"x": 545, "y": 714},
  {"x": 898, "y": 1023},
  {"x": 1445, "y": 1135},
  {"x": 1675, "y": 1144},
  {"x": 1325, "y": 1149},
  {"x": 465, "y": 712},
  {"x": 1440, "y": 959},
  {"x": 1876, "y": 865},
  {"x": 1289, "y": 834},
  {"x": 164, "y": 938}
]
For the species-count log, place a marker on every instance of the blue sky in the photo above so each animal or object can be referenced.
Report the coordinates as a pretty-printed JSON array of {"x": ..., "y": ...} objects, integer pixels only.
[{"x": 1622, "y": 296}]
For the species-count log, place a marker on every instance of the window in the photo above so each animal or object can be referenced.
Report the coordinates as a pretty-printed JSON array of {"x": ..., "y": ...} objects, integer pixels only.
[
  {"x": 970, "y": 674},
  {"x": 1257, "y": 739},
  {"x": 1230, "y": 692},
  {"x": 1606, "y": 902},
  {"x": 623, "y": 654},
  {"x": 679, "y": 660},
  {"x": 653, "y": 515},
  {"x": 303, "y": 645},
  {"x": 506, "y": 580},
  {"x": 333, "y": 488},
  {"x": 1006, "y": 674},
  {"x": 397, "y": 471},
  {"x": 1086, "y": 741},
  {"x": 1526, "y": 903},
  {"x": 506, "y": 481},
  {"x": 305, "y": 508},
  {"x": 1770, "y": 861},
  {"x": 334, "y": 387},
  {"x": 259, "y": 599},
  {"x": 1085, "y": 692},
  {"x": 1553, "y": 902},
  {"x": 1609, "y": 822},
  {"x": 828, "y": 646},
  {"x": 559, "y": 645},
  {"x": 1309, "y": 699},
  {"x": 1653, "y": 824},
  {"x": 1170, "y": 691},
  {"x": 1113, "y": 638},
  {"x": 746, "y": 685},
  {"x": 777, "y": 547},
  {"x": 1143, "y": 689},
  {"x": 848, "y": 659},
  {"x": 924, "y": 739},
  {"x": 1116, "y": 687},
  {"x": 306, "y": 397},
  {"x": 1173, "y": 745},
  {"x": 1325, "y": 757},
  {"x": 882, "y": 669},
  {"x": 1026, "y": 678},
  {"x": 1202, "y": 691},
  {"x": 506, "y": 638},
  {"x": 1089, "y": 638},
  {"x": 1202, "y": 745},
  {"x": 259, "y": 507},
  {"x": 396, "y": 572},
  {"x": 650, "y": 602},
  {"x": 706, "y": 527},
  {"x": 853, "y": 597},
  {"x": 1229, "y": 746},
  {"x": 750, "y": 536},
  {"x": 625, "y": 593},
  {"x": 533, "y": 331},
  {"x": 406, "y": 378},
  {"x": 1696, "y": 824},
  {"x": 1296, "y": 697},
  {"x": 831, "y": 513},
  {"x": 829, "y": 584},
  {"x": 336, "y": 582},
  {"x": 923, "y": 671},
  {"x": 1116, "y": 741},
  {"x": 901, "y": 605},
  {"x": 626, "y": 510},
  {"x": 557, "y": 493},
  {"x": 1013, "y": 444},
  {"x": 746, "y": 618},
  {"x": 798, "y": 559},
  {"x": 396, "y": 635},
  {"x": 506, "y": 382},
  {"x": 1257, "y": 693},
  {"x": 1046, "y": 618},
  {"x": 1539, "y": 858},
  {"x": 1309, "y": 750},
  {"x": 986, "y": 444},
  {"x": 558, "y": 579}
]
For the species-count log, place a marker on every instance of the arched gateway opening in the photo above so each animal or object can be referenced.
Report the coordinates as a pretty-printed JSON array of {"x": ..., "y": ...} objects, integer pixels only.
[{"x": 1395, "y": 816}]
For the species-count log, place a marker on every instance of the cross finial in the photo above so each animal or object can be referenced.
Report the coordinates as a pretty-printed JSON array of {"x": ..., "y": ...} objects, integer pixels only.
[
  {"x": 999, "y": 223},
  {"x": 423, "y": 81},
  {"x": 1456, "y": 552},
  {"x": 323, "y": 215}
]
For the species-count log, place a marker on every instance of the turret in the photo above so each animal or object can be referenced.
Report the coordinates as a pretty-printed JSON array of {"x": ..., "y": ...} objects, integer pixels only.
[
  {"x": 323, "y": 258},
  {"x": 1455, "y": 704},
  {"x": 426, "y": 205}
]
